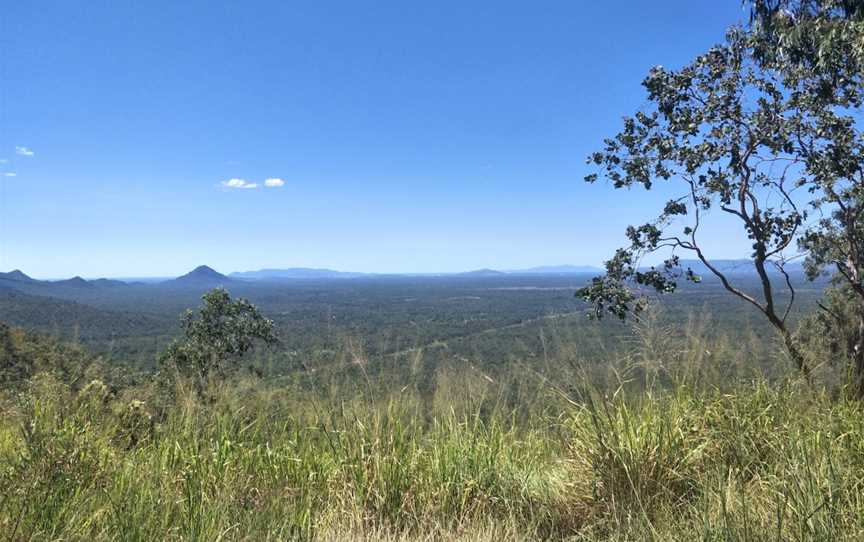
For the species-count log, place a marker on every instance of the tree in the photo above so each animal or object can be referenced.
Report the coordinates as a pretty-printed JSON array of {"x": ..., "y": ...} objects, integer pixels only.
[
  {"x": 764, "y": 128},
  {"x": 822, "y": 35},
  {"x": 818, "y": 46},
  {"x": 829, "y": 334},
  {"x": 725, "y": 129},
  {"x": 221, "y": 332}
]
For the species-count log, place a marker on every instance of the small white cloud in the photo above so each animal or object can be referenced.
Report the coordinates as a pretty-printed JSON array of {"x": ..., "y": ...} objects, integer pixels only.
[
  {"x": 10, "y": 174},
  {"x": 23, "y": 151},
  {"x": 3, "y": 160},
  {"x": 238, "y": 183},
  {"x": 274, "y": 182}
]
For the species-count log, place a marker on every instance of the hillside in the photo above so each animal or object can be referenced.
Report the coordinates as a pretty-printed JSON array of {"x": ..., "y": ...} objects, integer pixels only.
[
  {"x": 73, "y": 319},
  {"x": 72, "y": 287}
]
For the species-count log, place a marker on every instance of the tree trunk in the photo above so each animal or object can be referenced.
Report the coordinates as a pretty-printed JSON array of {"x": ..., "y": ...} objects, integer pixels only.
[
  {"x": 795, "y": 353},
  {"x": 858, "y": 359}
]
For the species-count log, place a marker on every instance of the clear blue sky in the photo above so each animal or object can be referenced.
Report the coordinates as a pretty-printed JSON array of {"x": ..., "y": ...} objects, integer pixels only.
[{"x": 434, "y": 136}]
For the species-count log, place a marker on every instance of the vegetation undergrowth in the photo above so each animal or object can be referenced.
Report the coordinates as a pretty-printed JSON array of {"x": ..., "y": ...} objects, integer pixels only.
[{"x": 255, "y": 460}]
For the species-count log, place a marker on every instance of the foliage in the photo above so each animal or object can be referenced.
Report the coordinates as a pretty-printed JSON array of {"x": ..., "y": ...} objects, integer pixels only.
[
  {"x": 220, "y": 333},
  {"x": 818, "y": 47},
  {"x": 769, "y": 114},
  {"x": 831, "y": 334},
  {"x": 345, "y": 460},
  {"x": 24, "y": 355},
  {"x": 821, "y": 35}
]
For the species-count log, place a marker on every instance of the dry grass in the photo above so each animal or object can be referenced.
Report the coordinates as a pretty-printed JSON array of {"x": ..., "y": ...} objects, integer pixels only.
[{"x": 482, "y": 459}]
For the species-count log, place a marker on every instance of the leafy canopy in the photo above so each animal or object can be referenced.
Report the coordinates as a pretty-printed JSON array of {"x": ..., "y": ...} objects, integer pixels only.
[
  {"x": 221, "y": 332},
  {"x": 763, "y": 129}
]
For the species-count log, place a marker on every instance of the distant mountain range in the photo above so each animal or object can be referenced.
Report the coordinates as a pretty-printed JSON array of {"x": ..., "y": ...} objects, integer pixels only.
[
  {"x": 556, "y": 270},
  {"x": 317, "y": 273},
  {"x": 18, "y": 280},
  {"x": 737, "y": 267},
  {"x": 295, "y": 273},
  {"x": 481, "y": 273},
  {"x": 206, "y": 277}
]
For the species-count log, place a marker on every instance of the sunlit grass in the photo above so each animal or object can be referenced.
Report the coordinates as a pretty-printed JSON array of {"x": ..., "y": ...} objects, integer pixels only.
[{"x": 481, "y": 459}]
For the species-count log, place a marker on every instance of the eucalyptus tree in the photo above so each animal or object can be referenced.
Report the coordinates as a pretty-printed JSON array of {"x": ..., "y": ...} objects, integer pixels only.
[
  {"x": 744, "y": 139},
  {"x": 822, "y": 35},
  {"x": 218, "y": 335},
  {"x": 818, "y": 47}
]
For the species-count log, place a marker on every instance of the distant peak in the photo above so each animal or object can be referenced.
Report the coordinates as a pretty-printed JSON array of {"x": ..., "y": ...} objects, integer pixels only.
[
  {"x": 483, "y": 272},
  {"x": 205, "y": 270},
  {"x": 202, "y": 273},
  {"x": 75, "y": 282},
  {"x": 16, "y": 274}
]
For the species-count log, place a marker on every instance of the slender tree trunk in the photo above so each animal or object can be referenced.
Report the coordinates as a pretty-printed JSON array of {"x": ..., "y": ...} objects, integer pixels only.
[
  {"x": 780, "y": 323},
  {"x": 790, "y": 345},
  {"x": 858, "y": 359},
  {"x": 795, "y": 352}
]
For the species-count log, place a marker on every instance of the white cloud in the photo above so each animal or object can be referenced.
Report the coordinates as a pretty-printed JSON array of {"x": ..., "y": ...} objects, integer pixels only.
[
  {"x": 239, "y": 183},
  {"x": 274, "y": 182},
  {"x": 10, "y": 174},
  {"x": 23, "y": 151},
  {"x": 3, "y": 160}
]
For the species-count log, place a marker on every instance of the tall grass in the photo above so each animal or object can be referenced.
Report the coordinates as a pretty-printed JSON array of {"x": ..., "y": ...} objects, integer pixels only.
[{"x": 529, "y": 455}]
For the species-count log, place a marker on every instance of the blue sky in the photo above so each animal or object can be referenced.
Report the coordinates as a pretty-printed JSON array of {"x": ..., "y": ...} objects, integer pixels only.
[{"x": 410, "y": 137}]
